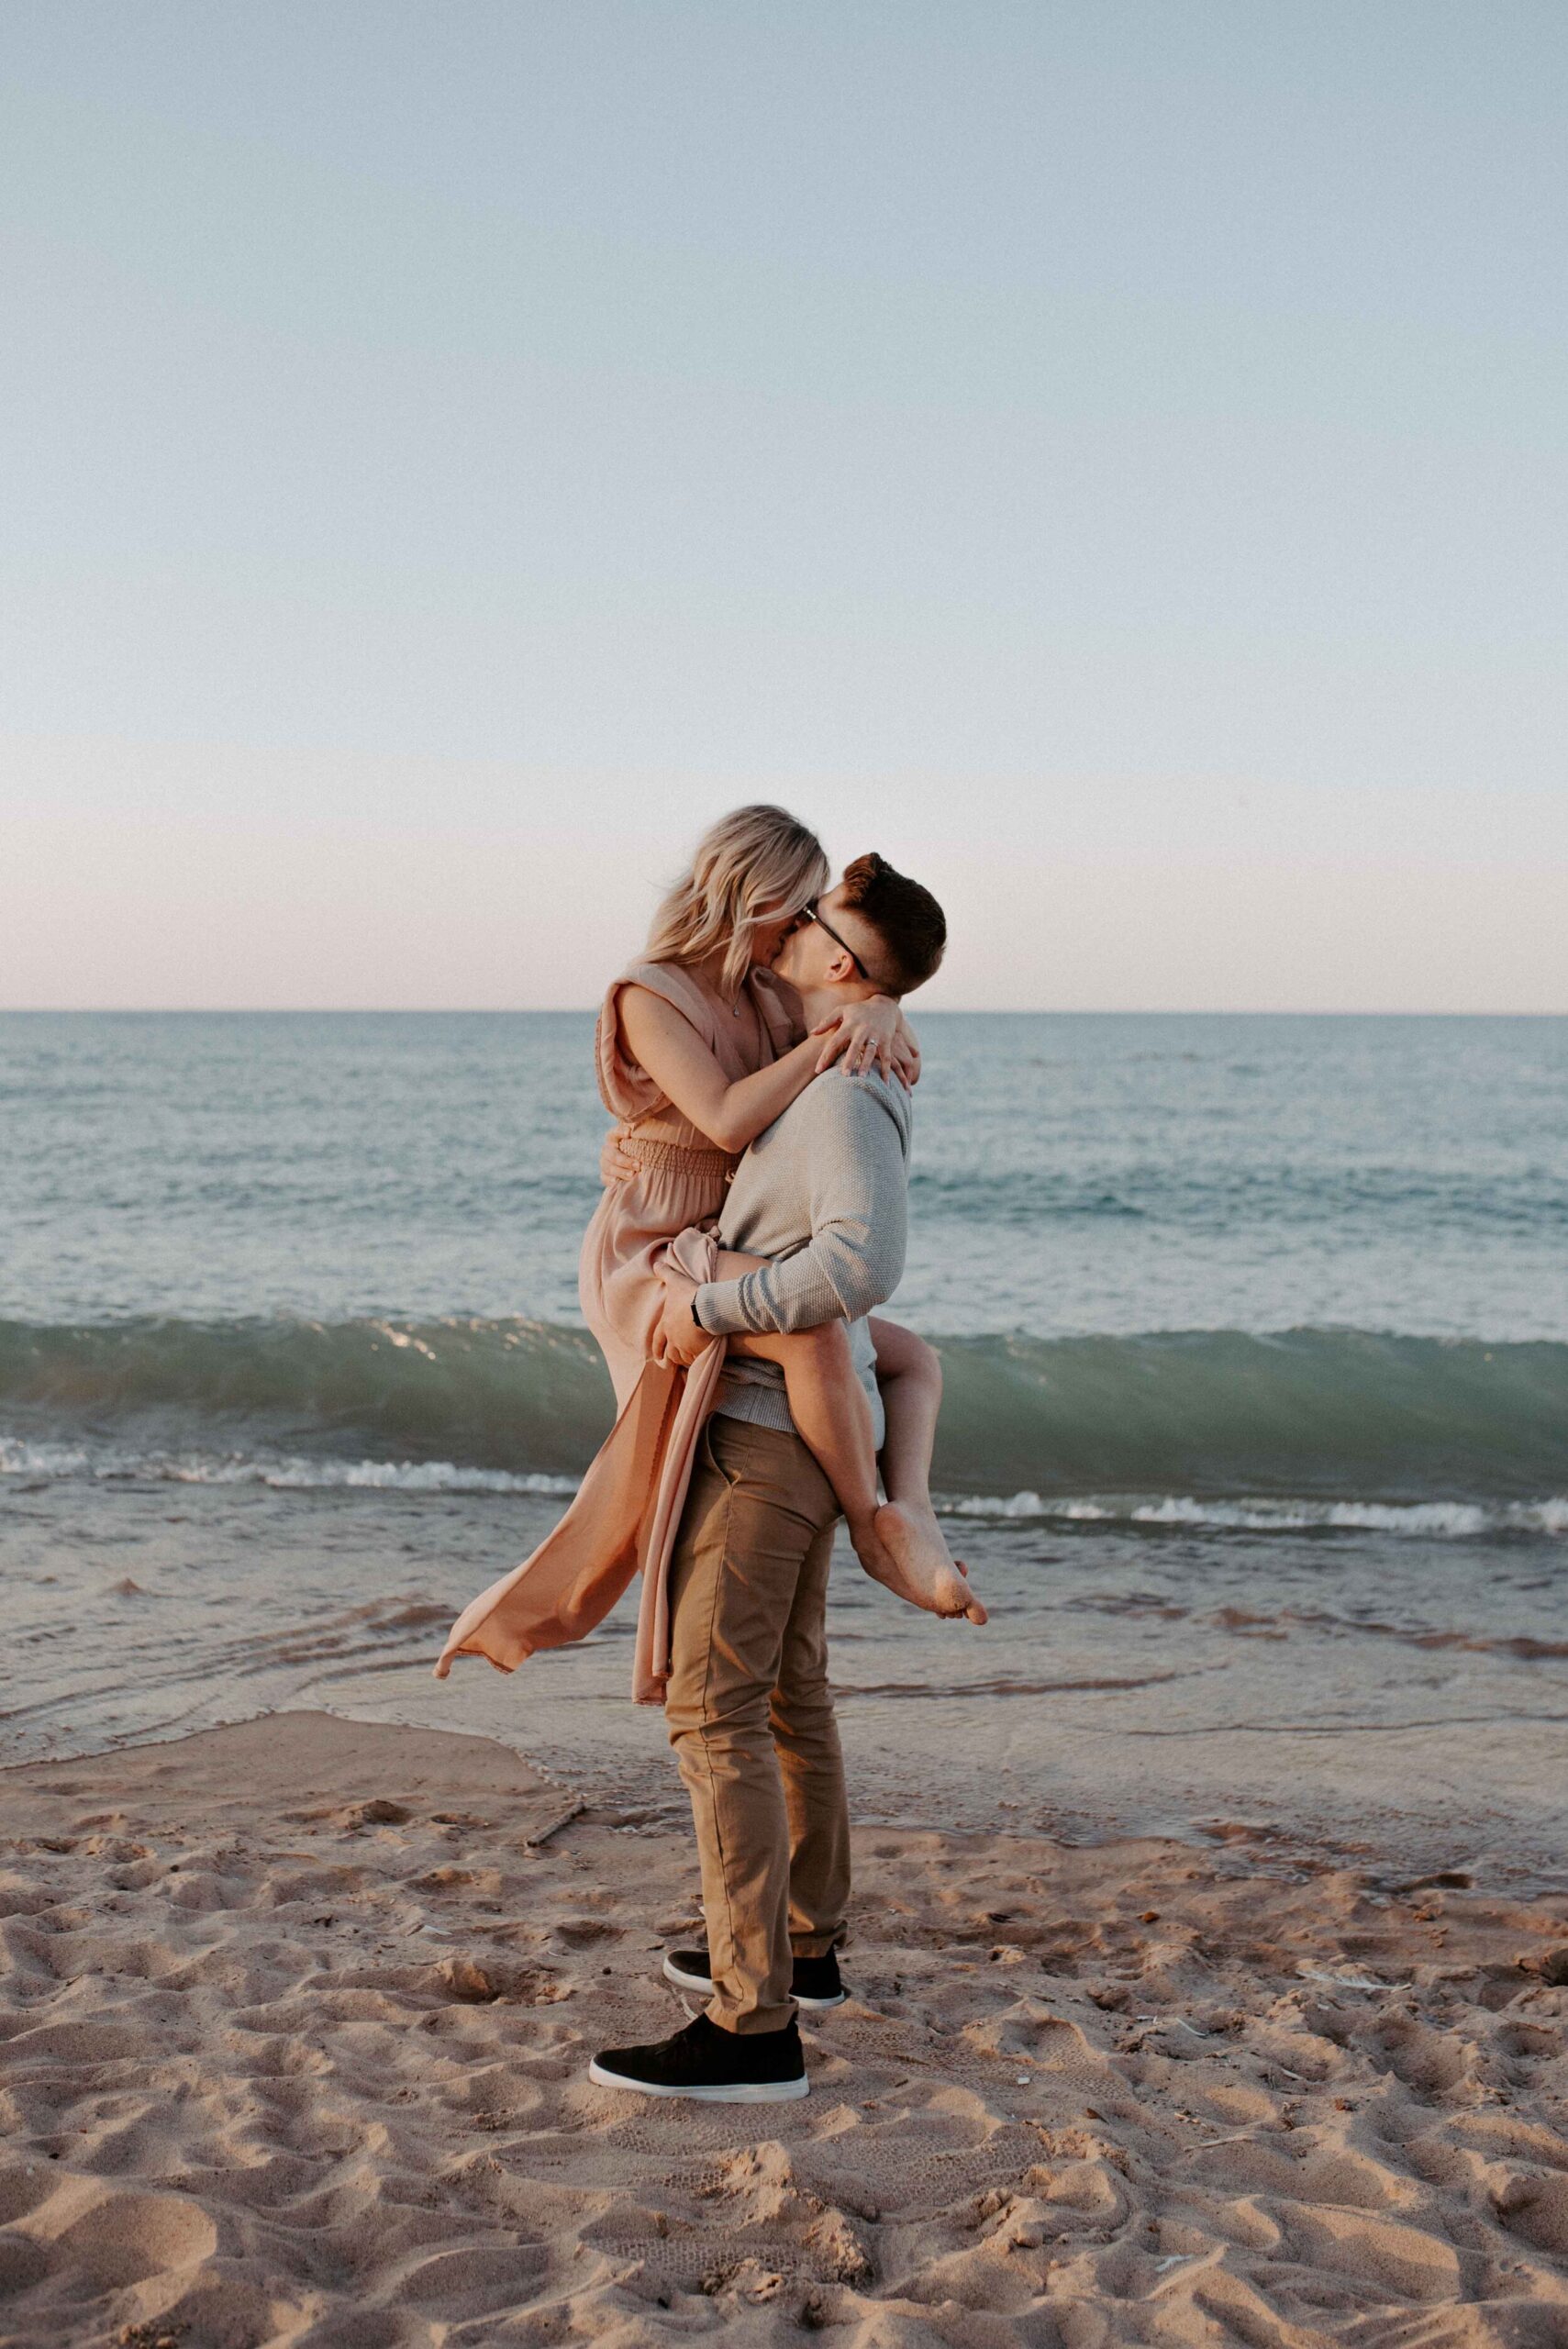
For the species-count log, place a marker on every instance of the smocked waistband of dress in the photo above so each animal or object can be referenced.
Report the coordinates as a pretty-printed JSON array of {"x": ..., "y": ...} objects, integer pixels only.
[{"x": 683, "y": 1158}]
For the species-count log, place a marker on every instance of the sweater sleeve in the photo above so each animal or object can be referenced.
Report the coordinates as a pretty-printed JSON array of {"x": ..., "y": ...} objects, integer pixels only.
[{"x": 858, "y": 1195}]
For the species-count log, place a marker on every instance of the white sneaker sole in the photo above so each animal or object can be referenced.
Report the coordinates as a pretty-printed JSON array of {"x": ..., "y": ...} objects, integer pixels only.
[
  {"x": 704, "y": 1987},
  {"x": 739, "y": 2092}
]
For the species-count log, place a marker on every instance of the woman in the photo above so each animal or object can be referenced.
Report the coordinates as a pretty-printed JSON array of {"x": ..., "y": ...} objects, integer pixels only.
[{"x": 696, "y": 1054}]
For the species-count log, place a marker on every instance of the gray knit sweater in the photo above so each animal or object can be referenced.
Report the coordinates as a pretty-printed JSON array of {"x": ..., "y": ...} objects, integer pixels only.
[{"x": 824, "y": 1193}]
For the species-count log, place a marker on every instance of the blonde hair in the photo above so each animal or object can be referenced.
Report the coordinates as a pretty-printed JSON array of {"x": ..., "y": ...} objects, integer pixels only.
[{"x": 754, "y": 865}]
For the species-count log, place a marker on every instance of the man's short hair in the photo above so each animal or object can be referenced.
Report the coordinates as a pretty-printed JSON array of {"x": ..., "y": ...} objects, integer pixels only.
[{"x": 911, "y": 925}]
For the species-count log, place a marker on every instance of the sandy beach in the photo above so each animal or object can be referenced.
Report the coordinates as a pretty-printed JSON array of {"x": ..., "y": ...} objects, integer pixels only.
[
  {"x": 298, "y": 2014},
  {"x": 917, "y": 647}
]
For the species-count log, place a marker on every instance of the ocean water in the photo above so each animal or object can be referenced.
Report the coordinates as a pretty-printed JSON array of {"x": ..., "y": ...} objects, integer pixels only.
[{"x": 1256, "y": 1333}]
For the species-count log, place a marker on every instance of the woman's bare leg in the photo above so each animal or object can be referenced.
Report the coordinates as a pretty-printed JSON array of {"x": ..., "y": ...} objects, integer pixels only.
[
  {"x": 831, "y": 1413},
  {"x": 909, "y": 1374}
]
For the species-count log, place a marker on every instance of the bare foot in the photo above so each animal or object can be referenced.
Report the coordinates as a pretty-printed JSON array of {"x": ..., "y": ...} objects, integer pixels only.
[
  {"x": 879, "y": 1562},
  {"x": 918, "y": 1565}
]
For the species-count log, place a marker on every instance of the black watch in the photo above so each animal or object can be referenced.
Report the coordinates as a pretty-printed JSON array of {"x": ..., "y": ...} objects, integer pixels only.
[{"x": 697, "y": 1317}]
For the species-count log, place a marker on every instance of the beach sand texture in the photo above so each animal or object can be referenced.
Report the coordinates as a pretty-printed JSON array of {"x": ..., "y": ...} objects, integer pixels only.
[{"x": 298, "y": 2014}]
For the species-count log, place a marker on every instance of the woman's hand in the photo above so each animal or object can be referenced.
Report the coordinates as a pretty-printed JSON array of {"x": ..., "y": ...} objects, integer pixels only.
[
  {"x": 906, "y": 1053},
  {"x": 678, "y": 1337},
  {"x": 615, "y": 1166},
  {"x": 871, "y": 1034}
]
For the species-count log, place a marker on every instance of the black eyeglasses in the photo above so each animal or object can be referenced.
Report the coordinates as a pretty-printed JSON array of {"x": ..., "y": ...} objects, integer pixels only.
[{"x": 809, "y": 913}]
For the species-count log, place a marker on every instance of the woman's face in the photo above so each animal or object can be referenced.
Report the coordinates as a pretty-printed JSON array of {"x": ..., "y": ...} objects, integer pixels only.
[{"x": 769, "y": 934}]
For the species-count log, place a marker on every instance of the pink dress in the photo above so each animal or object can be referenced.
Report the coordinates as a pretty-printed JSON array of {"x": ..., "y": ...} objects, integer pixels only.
[
  {"x": 682, "y": 1177},
  {"x": 628, "y": 1509}
]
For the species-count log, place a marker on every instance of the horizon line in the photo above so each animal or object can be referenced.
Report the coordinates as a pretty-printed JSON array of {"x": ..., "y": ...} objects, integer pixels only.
[{"x": 928, "y": 1012}]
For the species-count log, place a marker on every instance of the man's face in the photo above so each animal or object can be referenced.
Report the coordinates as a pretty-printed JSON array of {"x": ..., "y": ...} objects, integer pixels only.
[
  {"x": 768, "y": 935},
  {"x": 811, "y": 958}
]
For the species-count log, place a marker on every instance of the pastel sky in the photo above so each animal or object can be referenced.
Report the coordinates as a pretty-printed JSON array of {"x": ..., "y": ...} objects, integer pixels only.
[{"x": 1111, "y": 457}]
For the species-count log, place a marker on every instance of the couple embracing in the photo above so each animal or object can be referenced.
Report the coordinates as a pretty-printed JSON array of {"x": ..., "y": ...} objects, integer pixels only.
[{"x": 753, "y": 1216}]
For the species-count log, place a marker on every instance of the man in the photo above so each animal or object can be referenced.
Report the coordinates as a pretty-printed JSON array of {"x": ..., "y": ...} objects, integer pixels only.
[{"x": 823, "y": 1194}]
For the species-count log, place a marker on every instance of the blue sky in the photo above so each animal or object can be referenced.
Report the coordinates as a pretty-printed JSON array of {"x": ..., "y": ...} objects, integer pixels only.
[{"x": 1110, "y": 457}]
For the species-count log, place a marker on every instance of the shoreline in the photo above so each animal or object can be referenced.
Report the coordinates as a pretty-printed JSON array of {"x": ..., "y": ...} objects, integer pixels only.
[
  {"x": 650, "y": 1789},
  {"x": 1381, "y": 1844},
  {"x": 623, "y": 1765},
  {"x": 300, "y": 2010},
  {"x": 1343, "y": 1690},
  {"x": 654, "y": 1798}
]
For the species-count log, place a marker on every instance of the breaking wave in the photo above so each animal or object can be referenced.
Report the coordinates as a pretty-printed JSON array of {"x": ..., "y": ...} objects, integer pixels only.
[
  {"x": 1218, "y": 1427},
  {"x": 106, "y": 1464},
  {"x": 34, "y": 1463},
  {"x": 1425, "y": 1521}
]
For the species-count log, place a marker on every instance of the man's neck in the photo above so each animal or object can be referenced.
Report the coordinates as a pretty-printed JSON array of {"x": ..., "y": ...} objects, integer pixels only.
[{"x": 821, "y": 1003}]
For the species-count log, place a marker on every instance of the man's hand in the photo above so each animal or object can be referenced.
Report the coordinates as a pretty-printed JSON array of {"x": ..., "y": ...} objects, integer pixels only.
[
  {"x": 678, "y": 1340},
  {"x": 615, "y": 1166}
]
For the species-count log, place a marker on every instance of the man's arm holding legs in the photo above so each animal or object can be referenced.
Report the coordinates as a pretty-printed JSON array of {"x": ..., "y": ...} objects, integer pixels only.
[{"x": 845, "y": 1136}]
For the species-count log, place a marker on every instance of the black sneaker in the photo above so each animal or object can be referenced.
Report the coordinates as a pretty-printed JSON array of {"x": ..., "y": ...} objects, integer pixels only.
[
  {"x": 713, "y": 2066},
  {"x": 815, "y": 1981}
]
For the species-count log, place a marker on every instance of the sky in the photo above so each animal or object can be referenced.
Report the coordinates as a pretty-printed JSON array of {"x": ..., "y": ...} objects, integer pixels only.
[{"x": 1111, "y": 458}]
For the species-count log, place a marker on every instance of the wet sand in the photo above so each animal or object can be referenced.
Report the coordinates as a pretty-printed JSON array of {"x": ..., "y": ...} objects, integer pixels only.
[
  {"x": 1406, "y": 1696},
  {"x": 298, "y": 2014}
]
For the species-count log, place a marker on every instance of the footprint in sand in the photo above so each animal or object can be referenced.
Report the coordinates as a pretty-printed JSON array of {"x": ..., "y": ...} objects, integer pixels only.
[
  {"x": 112, "y": 2239},
  {"x": 1534, "y": 2206}
]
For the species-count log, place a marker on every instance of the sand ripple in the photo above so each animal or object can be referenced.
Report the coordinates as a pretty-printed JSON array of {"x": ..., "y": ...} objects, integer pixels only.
[{"x": 296, "y": 2016}]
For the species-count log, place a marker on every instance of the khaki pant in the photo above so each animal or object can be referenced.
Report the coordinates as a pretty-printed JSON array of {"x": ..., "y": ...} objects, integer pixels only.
[{"x": 751, "y": 1718}]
